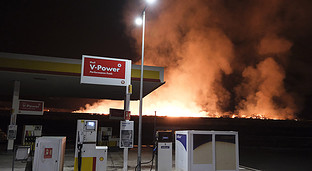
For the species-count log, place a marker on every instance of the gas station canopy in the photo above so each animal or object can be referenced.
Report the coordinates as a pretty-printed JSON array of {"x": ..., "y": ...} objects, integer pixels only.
[{"x": 43, "y": 77}]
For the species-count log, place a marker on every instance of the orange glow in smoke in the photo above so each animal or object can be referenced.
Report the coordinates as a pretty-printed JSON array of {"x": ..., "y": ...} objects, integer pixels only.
[
  {"x": 162, "y": 109},
  {"x": 165, "y": 109},
  {"x": 196, "y": 43}
]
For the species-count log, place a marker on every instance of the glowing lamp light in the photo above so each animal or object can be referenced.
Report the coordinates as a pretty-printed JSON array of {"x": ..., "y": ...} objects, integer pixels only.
[
  {"x": 150, "y": 1},
  {"x": 138, "y": 21}
]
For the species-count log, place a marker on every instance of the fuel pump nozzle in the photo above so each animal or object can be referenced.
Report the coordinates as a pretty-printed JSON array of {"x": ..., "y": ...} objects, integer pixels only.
[{"x": 79, "y": 147}]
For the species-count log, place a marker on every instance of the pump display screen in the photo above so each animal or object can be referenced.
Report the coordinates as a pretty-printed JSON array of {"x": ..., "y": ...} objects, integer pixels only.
[
  {"x": 90, "y": 125},
  {"x": 164, "y": 136}
]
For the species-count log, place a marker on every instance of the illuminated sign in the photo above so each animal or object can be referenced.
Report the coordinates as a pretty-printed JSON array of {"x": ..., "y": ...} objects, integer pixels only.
[
  {"x": 30, "y": 107},
  {"x": 105, "y": 71}
]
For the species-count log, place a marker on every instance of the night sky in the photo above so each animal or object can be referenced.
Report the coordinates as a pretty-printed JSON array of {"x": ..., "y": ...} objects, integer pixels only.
[
  {"x": 72, "y": 28},
  {"x": 65, "y": 28}
]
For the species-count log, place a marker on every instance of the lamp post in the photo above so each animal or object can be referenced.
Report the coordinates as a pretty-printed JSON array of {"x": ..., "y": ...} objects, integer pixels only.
[
  {"x": 141, "y": 92},
  {"x": 141, "y": 21}
]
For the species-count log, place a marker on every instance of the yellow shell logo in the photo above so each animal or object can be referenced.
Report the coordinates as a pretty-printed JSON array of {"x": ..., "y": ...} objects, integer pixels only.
[{"x": 101, "y": 158}]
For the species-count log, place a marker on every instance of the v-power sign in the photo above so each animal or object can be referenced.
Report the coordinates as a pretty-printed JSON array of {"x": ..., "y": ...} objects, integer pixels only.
[{"x": 105, "y": 71}]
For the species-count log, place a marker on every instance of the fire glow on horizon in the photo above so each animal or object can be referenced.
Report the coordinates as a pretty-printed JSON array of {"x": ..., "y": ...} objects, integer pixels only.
[
  {"x": 170, "y": 110},
  {"x": 221, "y": 59}
]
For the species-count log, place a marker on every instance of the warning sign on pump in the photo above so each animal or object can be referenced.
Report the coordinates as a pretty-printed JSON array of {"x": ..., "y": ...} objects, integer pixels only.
[
  {"x": 47, "y": 153},
  {"x": 126, "y": 134}
]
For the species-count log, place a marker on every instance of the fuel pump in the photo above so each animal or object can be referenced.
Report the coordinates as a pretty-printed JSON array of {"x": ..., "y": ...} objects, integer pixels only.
[
  {"x": 88, "y": 156},
  {"x": 164, "y": 150}
]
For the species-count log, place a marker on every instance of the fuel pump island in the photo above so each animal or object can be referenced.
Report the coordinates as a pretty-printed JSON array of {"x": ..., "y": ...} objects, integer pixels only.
[
  {"x": 88, "y": 156},
  {"x": 101, "y": 71},
  {"x": 49, "y": 152}
]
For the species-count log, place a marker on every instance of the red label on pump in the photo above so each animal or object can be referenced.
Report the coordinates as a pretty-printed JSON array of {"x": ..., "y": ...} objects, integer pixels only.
[
  {"x": 127, "y": 115},
  {"x": 47, "y": 153}
]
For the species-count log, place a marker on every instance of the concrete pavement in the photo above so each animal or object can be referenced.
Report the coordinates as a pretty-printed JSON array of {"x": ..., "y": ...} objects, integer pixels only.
[{"x": 114, "y": 161}]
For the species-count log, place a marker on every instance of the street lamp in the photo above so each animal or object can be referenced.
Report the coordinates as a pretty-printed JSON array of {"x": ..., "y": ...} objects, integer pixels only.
[
  {"x": 138, "y": 21},
  {"x": 141, "y": 21},
  {"x": 150, "y": 1}
]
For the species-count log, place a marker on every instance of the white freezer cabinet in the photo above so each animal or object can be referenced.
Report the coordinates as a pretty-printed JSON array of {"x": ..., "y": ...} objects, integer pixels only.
[{"x": 206, "y": 151}]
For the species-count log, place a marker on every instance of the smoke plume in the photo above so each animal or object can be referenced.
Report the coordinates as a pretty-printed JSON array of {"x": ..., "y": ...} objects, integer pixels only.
[
  {"x": 262, "y": 91},
  {"x": 201, "y": 42},
  {"x": 220, "y": 57}
]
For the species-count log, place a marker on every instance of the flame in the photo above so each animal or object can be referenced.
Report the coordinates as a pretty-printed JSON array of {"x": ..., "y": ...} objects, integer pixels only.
[
  {"x": 172, "y": 109},
  {"x": 221, "y": 60}
]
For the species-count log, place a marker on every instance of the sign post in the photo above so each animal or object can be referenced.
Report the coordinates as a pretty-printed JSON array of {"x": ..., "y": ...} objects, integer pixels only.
[
  {"x": 14, "y": 114},
  {"x": 127, "y": 118},
  {"x": 109, "y": 71}
]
